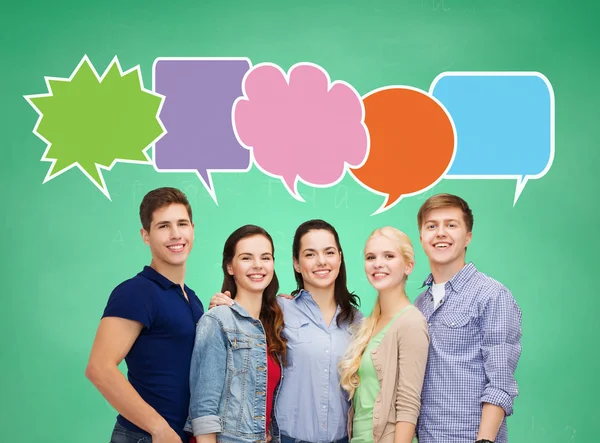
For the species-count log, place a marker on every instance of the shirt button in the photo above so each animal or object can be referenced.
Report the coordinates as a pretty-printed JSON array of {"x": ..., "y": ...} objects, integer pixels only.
[{"x": 430, "y": 324}]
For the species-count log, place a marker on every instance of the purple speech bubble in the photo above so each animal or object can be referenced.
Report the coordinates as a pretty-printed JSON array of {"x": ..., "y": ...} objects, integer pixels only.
[{"x": 196, "y": 113}]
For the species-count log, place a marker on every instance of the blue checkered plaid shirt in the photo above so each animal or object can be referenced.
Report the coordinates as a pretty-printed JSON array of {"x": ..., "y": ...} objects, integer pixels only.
[{"x": 475, "y": 335}]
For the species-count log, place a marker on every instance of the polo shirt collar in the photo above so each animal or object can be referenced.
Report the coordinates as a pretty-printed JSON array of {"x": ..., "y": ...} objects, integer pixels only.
[{"x": 152, "y": 274}]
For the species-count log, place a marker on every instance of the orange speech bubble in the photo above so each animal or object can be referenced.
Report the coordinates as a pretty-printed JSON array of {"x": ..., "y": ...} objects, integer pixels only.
[{"x": 412, "y": 143}]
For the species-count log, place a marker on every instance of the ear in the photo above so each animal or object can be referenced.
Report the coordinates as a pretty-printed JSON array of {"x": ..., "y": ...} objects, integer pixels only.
[
  {"x": 468, "y": 238},
  {"x": 145, "y": 236},
  {"x": 230, "y": 269},
  {"x": 409, "y": 268},
  {"x": 296, "y": 266}
]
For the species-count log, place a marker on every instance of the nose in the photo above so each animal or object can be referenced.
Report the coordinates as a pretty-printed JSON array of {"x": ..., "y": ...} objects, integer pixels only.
[
  {"x": 175, "y": 232},
  {"x": 320, "y": 259},
  {"x": 440, "y": 232},
  {"x": 256, "y": 264},
  {"x": 377, "y": 263}
]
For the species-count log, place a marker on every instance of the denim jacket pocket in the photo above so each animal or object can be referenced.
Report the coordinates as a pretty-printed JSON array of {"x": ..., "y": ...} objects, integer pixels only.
[{"x": 241, "y": 346}]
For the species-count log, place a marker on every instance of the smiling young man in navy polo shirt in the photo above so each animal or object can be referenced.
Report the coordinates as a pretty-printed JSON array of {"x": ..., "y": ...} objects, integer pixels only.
[{"x": 150, "y": 321}]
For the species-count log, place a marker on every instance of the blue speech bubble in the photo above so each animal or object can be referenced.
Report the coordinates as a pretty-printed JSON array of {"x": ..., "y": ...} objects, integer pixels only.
[{"x": 504, "y": 123}]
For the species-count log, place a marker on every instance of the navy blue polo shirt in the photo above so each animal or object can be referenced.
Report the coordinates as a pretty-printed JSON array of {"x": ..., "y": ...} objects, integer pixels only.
[{"x": 158, "y": 364}]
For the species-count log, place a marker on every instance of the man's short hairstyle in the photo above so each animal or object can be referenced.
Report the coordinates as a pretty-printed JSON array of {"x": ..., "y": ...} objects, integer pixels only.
[
  {"x": 159, "y": 198},
  {"x": 446, "y": 201}
]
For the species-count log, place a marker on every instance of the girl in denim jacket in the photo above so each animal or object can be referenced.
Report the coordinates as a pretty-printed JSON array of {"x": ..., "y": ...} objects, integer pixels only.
[{"x": 236, "y": 366}]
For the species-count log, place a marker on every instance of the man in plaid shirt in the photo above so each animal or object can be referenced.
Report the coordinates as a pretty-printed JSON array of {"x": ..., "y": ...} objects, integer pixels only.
[{"x": 475, "y": 332}]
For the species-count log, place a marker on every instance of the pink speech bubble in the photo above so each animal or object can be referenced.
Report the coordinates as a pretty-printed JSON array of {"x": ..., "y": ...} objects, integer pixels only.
[{"x": 300, "y": 126}]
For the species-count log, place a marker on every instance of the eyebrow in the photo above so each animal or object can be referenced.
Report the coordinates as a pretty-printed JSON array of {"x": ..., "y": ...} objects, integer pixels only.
[
  {"x": 445, "y": 220},
  {"x": 166, "y": 222},
  {"x": 314, "y": 250},
  {"x": 248, "y": 253}
]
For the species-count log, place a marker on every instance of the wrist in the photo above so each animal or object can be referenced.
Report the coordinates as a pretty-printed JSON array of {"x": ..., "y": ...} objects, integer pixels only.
[{"x": 159, "y": 427}]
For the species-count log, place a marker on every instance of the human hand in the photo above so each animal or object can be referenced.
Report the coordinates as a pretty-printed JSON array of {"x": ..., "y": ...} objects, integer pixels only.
[
  {"x": 221, "y": 299},
  {"x": 166, "y": 435}
]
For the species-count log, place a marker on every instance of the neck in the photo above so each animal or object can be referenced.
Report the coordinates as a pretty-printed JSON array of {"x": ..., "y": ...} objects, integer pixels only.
[
  {"x": 392, "y": 301},
  {"x": 174, "y": 273},
  {"x": 444, "y": 273},
  {"x": 250, "y": 301},
  {"x": 323, "y": 297}
]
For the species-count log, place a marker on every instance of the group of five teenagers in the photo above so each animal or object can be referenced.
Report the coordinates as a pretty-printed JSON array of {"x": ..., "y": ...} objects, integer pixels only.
[
  {"x": 384, "y": 366},
  {"x": 291, "y": 349},
  {"x": 239, "y": 350},
  {"x": 311, "y": 405},
  {"x": 150, "y": 321}
]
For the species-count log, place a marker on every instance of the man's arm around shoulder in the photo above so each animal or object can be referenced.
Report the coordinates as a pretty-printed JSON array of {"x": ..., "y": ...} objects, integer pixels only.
[{"x": 114, "y": 339}]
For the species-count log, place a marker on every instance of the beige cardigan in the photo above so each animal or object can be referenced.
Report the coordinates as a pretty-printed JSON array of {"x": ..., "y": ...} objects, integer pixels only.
[{"x": 400, "y": 361}]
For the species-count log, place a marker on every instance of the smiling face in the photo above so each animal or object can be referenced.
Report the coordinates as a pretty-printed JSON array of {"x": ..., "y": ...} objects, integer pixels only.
[
  {"x": 252, "y": 264},
  {"x": 319, "y": 259},
  {"x": 170, "y": 236},
  {"x": 386, "y": 266},
  {"x": 444, "y": 237}
]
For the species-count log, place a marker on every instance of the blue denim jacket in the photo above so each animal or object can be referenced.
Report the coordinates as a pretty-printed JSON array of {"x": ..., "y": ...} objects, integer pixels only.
[{"x": 228, "y": 378}]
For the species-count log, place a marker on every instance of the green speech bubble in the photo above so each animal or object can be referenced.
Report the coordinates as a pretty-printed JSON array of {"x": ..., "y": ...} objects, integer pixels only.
[{"x": 92, "y": 122}]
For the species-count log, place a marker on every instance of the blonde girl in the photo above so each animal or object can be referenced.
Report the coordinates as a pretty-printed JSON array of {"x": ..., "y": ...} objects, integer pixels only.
[{"x": 384, "y": 366}]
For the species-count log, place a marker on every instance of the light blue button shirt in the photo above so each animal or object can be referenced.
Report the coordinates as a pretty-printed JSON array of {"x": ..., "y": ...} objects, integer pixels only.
[{"x": 312, "y": 405}]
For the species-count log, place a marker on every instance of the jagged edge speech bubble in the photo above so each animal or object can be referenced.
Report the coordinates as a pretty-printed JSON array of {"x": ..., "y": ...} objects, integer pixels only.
[
  {"x": 122, "y": 73},
  {"x": 383, "y": 207},
  {"x": 521, "y": 180},
  {"x": 210, "y": 188},
  {"x": 286, "y": 75}
]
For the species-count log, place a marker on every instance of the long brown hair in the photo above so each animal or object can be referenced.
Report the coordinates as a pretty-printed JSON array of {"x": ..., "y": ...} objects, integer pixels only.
[
  {"x": 271, "y": 316},
  {"x": 347, "y": 301}
]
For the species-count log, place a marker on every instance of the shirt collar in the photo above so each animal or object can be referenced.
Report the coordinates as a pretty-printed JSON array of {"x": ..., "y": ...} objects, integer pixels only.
[
  {"x": 301, "y": 293},
  {"x": 459, "y": 280},
  {"x": 152, "y": 274},
  {"x": 240, "y": 310}
]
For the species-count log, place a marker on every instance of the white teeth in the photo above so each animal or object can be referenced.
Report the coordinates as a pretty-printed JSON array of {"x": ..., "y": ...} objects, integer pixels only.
[
  {"x": 379, "y": 274},
  {"x": 256, "y": 276},
  {"x": 321, "y": 272},
  {"x": 176, "y": 247},
  {"x": 442, "y": 245}
]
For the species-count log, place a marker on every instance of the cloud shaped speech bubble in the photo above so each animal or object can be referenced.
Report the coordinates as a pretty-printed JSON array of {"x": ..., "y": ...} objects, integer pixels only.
[
  {"x": 92, "y": 122},
  {"x": 413, "y": 143},
  {"x": 200, "y": 93},
  {"x": 300, "y": 126},
  {"x": 504, "y": 122}
]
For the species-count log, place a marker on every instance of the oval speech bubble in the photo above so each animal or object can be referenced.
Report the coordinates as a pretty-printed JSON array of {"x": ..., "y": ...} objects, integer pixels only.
[{"x": 413, "y": 143}]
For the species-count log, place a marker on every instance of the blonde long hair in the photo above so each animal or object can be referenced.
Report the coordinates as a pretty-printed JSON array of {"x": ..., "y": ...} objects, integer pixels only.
[{"x": 350, "y": 363}]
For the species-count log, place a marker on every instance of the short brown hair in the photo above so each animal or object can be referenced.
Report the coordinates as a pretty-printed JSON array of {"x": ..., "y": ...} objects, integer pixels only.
[
  {"x": 446, "y": 201},
  {"x": 159, "y": 198}
]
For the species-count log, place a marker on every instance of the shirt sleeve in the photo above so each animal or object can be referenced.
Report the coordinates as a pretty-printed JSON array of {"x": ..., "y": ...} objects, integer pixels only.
[
  {"x": 207, "y": 376},
  {"x": 413, "y": 350},
  {"x": 132, "y": 301},
  {"x": 501, "y": 349}
]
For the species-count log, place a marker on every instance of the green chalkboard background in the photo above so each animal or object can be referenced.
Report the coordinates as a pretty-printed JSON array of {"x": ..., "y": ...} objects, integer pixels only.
[{"x": 65, "y": 245}]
